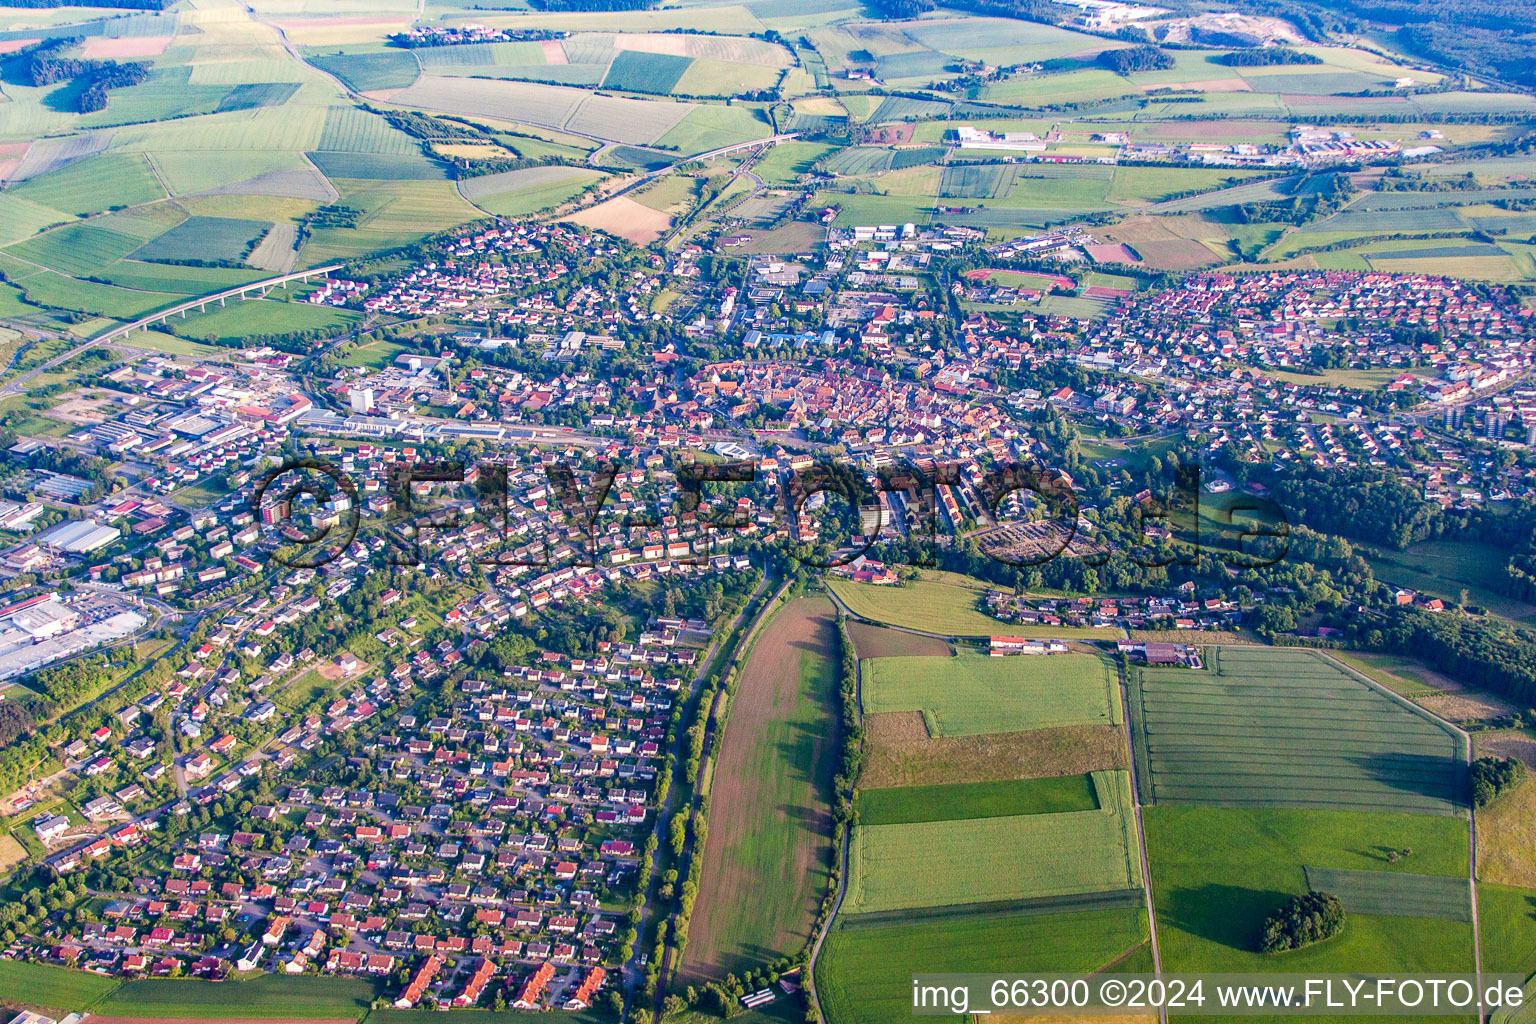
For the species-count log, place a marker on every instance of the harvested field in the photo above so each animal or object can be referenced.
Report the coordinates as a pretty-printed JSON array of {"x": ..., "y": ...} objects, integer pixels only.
[
  {"x": 527, "y": 102},
  {"x": 1267, "y": 727},
  {"x": 1466, "y": 706},
  {"x": 899, "y": 752},
  {"x": 769, "y": 851},
  {"x": 1176, "y": 254},
  {"x": 126, "y": 48},
  {"x": 881, "y": 642},
  {"x": 626, "y": 218},
  {"x": 975, "y": 694},
  {"x": 892, "y": 867}
]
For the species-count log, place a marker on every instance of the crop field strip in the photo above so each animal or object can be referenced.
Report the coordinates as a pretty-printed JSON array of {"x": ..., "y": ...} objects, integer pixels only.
[
  {"x": 981, "y": 694},
  {"x": 1285, "y": 728},
  {"x": 1050, "y": 795},
  {"x": 864, "y": 974},
  {"x": 1039, "y": 906},
  {"x": 893, "y": 867},
  {"x": 1395, "y": 894}
]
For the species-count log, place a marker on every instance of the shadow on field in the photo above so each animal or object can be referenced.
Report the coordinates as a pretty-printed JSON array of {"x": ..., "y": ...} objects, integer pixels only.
[
  {"x": 1229, "y": 914},
  {"x": 1428, "y": 775}
]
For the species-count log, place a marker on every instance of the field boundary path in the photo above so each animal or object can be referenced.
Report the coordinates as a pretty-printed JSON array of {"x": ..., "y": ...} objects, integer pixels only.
[
  {"x": 842, "y": 853},
  {"x": 1141, "y": 831}
]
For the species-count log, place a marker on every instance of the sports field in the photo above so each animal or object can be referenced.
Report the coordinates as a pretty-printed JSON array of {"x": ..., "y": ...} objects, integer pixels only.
[
  {"x": 976, "y": 694},
  {"x": 980, "y": 860},
  {"x": 769, "y": 849},
  {"x": 1050, "y": 795},
  {"x": 1287, "y": 728}
]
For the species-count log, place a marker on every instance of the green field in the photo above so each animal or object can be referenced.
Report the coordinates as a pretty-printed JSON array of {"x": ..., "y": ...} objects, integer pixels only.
[
  {"x": 1053, "y": 795},
  {"x": 1506, "y": 921},
  {"x": 52, "y": 987},
  {"x": 636, "y": 71},
  {"x": 981, "y": 860},
  {"x": 208, "y": 239},
  {"x": 942, "y": 608},
  {"x": 1395, "y": 894},
  {"x": 1287, "y": 728},
  {"x": 93, "y": 185},
  {"x": 974, "y": 694},
  {"x": 864, "y": 975},
  {"x": 269, "y": 995},
  {"x": 1218, "y": 872},
  {"x": 244, "y": 319}
]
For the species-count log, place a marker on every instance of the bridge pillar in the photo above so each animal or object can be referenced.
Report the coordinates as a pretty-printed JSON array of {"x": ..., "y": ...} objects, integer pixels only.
[{"x": 221, "y": 300}]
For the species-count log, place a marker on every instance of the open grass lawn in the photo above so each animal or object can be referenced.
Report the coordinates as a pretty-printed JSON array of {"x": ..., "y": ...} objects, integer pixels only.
[
  {"x": 1443, "y": 568},
  {"x": 982, "y": 860},
  {"x": 974, "y": 694},
  {"x": 769, "y": 851},
  {"x": 1217, "y": 873},
  {"x": 52, "y": 987},
  {"x": 1051, "y": 795},
  {"x": 268, "y": 995},
  {"x": 942, "y": 608},
  {"x": 1276, "y": 727},
  {"x": 864, "y": 976},
  {"x": 373, "y": 353}
]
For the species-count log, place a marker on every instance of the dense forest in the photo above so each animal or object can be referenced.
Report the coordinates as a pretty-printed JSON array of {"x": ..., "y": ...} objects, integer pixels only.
[
  {"x": 47, "y": 65},
  {"x": 1259, "y": 57},
  {"x": 1137, "y": 58}
]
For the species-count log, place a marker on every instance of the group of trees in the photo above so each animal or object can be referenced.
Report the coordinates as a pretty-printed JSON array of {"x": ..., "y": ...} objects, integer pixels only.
[
  {"x": 1137, "y": 58},
  {"x": 1303, "y": 921},
  {"x": 1491, "y": 777},
  {"x": 1265, "y": 56}
]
